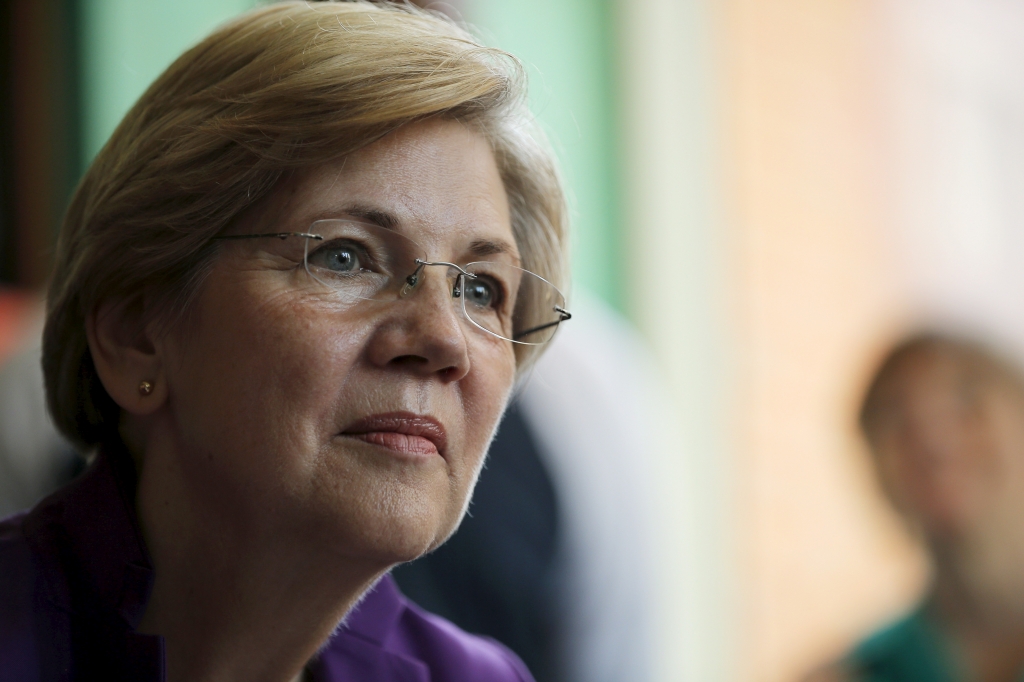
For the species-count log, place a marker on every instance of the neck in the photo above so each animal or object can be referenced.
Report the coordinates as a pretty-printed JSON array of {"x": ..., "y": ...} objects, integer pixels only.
[{"x": 236, "y": 600}]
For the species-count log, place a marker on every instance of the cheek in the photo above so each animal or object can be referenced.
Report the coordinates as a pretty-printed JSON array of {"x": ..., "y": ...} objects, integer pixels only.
[
  {"x": 899, "y": 474},
  {"x": 485, "y": 398},
  {"x": 262, "y": 377},
  {"x": 1004, "y": 470}
]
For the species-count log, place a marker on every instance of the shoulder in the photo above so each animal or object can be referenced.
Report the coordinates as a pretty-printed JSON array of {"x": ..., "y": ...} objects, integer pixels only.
[
  {"x": 909, "y": 649},
  {"x": 17, "y": 590},
  {"x": 17, "y": 570}
]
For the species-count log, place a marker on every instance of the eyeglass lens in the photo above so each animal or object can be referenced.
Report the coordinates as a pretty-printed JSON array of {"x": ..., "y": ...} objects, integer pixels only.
[{"x": 359, "y": 261}]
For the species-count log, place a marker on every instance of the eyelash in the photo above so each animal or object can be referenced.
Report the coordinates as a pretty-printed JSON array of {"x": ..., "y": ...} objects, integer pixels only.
[{"x": 365, "y": 259}]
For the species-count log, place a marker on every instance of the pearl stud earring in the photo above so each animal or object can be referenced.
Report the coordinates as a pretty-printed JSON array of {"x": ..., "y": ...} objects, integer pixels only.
[{"x": 145, "y": 388}]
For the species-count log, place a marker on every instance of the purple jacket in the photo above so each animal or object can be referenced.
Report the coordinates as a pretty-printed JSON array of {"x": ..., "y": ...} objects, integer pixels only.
[{"x": 75, "y": 578}]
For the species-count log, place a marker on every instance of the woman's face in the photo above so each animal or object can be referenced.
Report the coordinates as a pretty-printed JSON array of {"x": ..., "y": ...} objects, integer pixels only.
[
  {"x": 950, "y": 443},
  {"x": 358, "y": 427}
]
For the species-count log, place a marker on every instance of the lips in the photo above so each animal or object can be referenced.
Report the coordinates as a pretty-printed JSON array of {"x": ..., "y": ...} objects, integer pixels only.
[{"x": 404, "y": 432}]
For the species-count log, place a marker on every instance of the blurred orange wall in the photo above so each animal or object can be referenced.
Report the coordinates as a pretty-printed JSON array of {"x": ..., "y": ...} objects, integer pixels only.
[
  {"x": 18, "y": 311},
  {"x": 815, "y": 296}
]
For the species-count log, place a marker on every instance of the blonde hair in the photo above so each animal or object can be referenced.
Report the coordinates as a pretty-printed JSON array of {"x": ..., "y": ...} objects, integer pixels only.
[{"x": 286, "y": 86}]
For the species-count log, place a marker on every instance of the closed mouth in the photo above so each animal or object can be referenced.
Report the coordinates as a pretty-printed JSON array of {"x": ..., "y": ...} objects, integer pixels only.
[{"x": 404, "y": 432}]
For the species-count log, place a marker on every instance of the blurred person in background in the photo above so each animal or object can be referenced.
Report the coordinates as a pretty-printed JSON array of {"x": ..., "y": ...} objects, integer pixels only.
[
  {"x": 944, "y": 420},
  {"x": 292, "y": 295}
]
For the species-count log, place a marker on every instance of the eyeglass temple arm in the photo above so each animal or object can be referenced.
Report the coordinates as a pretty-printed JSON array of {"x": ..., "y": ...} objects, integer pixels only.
[
  {"x": 279, "y": 235},
  {"x": 563, "y": 315}
]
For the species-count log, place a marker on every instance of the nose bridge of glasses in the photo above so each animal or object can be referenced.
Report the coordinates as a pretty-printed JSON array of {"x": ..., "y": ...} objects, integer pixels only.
[
  {"x": 450, "y": 271},
  {"x": 439, "y": 292}
]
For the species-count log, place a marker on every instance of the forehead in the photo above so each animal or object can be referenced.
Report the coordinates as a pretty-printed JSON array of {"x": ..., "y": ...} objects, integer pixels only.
[
  {"x": 934, "y": 376},
  {"x": 927, "y": 369},
  {"x": 435, "y": 181},
  {"x": 926, "y": 373}
]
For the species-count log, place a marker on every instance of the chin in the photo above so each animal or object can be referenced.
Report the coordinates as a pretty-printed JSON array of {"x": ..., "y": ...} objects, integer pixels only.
[
  {"x": 391, "y": 527},
  {"x": 383, "y": 510},
  {"x": 402, "y": 542}
]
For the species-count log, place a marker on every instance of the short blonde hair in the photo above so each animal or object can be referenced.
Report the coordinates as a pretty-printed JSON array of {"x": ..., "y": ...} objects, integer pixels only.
[{"x": 283, "y": 87}]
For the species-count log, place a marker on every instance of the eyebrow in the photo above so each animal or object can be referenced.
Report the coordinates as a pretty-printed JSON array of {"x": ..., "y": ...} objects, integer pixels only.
[
  {"x": 370, "y": 214},
  {"x": 493, "y": 247},
  {"x": 479, "y": 248}
]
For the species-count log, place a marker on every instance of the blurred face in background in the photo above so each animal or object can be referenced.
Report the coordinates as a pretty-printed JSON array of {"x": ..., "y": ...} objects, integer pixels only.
[{"x": 948, "y": 437}]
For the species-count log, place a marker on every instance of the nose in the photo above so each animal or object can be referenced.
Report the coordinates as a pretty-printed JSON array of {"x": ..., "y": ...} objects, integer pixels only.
[{"x": 424, "y": 333}]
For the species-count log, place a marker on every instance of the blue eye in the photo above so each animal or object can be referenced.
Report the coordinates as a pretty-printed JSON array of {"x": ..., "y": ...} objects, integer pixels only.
[
  {"x": 481, "y": 293},
  {"x": 343, "y": 260},
  {"x": 338, "y": 258}
]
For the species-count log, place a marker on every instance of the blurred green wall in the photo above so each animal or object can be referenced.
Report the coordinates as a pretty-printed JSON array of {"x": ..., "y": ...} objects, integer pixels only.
[
  {"x": 126, "y": 44},
  {"x": 565, "y": 44},
  {"x": 567, "y": 47}
]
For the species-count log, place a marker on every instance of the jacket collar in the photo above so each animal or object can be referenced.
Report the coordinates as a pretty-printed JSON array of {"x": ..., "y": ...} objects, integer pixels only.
[
  {"x": 100, "y": 543},
  {"x": 96, "y": 575},
  {"x": 377, "y": 613},
  {"x": 363, "y": 647}
]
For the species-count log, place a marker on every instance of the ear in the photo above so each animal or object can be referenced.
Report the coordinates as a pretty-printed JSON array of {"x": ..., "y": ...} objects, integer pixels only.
[{"x": 125, "y": 354}]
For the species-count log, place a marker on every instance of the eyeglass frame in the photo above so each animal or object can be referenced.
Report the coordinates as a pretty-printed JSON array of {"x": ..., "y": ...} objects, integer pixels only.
[{"x": 413, "y": 279}]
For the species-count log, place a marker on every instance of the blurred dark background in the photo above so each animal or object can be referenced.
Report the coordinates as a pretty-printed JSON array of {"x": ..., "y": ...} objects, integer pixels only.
[{"x": 40, "y": 132}]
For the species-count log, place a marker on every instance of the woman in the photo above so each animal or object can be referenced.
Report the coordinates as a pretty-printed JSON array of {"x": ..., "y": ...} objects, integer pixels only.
[
  {"x": 291, "y": 297},
  {"x": 944, "y": 418}
]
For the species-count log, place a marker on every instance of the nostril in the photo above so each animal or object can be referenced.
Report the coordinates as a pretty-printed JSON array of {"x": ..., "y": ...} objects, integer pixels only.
[
  {"x": 449, "y": 373},
  {"x": 406, "y": 360}
]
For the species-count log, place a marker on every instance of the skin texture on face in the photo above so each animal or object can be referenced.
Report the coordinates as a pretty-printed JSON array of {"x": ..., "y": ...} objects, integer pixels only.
[
  {"x": 272, "y": 370},
  {"x": 265, "y": 505}
]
